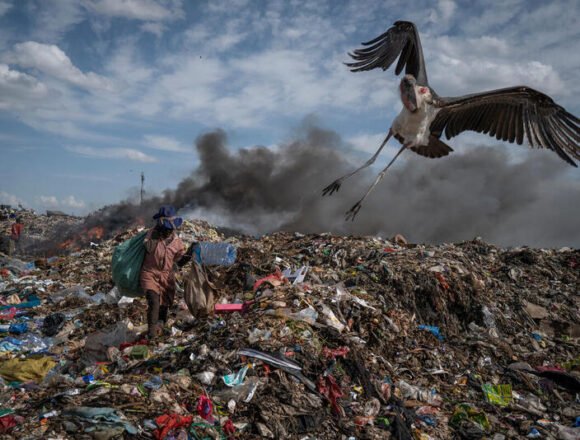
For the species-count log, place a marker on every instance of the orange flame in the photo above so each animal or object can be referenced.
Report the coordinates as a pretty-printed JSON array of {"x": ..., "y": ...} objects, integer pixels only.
[{"x": 95, "y": 233}]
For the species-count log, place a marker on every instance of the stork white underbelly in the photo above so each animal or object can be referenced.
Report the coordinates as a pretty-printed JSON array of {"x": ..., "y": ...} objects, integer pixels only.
[{"x": 414, "y": 127}]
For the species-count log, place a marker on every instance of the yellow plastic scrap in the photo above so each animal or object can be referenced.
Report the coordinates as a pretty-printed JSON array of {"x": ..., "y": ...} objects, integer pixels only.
[
  {"x": 498, "y": 394},
  {"x": 26, "y": 370}
]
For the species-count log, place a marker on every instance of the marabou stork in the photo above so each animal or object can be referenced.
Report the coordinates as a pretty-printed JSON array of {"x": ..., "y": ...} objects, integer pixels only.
[{"x": 509, "y": 114}]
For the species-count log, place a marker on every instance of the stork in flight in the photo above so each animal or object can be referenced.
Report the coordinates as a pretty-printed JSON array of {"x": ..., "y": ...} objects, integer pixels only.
[{"x": 509, "y": 114}]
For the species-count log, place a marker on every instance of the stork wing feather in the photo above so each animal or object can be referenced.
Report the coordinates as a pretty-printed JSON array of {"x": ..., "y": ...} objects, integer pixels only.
[
  {"x": 401, "y": 40},
  {"x": 510, "y": 115}
]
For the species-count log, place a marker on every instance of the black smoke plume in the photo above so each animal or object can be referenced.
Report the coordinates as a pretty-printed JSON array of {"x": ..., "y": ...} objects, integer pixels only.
[{"x": 477, "y": 191}]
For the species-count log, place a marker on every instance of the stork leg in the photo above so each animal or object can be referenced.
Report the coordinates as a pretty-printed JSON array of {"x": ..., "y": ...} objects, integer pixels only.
[
  {"x": 335, "y": 186},
  {"x": 352, "y": 212}
]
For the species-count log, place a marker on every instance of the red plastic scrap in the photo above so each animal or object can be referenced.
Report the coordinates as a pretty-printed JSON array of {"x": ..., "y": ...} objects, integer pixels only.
[
  {"x": 328, "y": 387},
  {"x": 9, "y": 314},
  {"x": 267, "y": 370},
  {"x": 229, "y": 427},
  {"x": 556, "y": 368},
  {"x": 334, "y": 353},
  {"x": 229, "y": 308},
  {"x": 125, "y": 345},
  {"x": 205, "y": 408},
  {"x": 275, "y": 279},
  {"x": 167, "y": 422},
  {"x": 442, "y": 281},
  {"x": 7, "y": 423}
]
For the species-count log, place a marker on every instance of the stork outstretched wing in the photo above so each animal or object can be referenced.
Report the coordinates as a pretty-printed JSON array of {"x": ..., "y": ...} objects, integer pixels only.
[
  {"x": 510, "y": 115},
  {"x": 401, "y": 40}
]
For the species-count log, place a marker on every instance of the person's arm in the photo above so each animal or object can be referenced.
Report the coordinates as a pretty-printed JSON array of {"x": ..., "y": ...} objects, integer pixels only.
[{"x": 186, "y": 258}]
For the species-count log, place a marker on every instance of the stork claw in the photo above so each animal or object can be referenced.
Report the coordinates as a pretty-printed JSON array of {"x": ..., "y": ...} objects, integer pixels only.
[
  {"x": 332, "y": 188},
  {"x": 352, "y": 212}
]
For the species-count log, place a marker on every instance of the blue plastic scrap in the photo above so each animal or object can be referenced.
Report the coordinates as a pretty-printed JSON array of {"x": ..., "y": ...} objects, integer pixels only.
[
  {"x": 101, "y": 416},
  {"x": 235, "y": 379},
  {"x": 32, "y": 301},
  {"x": 433, "y": 329},
  {"x": 16, "y": 328}
]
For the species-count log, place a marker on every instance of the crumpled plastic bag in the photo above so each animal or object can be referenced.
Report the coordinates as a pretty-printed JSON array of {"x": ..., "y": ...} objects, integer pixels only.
[
  {"x": 26, "y": 370},
  {"x": 96, "y": 344}
]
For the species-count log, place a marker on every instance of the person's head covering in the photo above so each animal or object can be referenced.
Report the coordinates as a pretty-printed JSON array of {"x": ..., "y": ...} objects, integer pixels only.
[{"x": 166, "y": 217}]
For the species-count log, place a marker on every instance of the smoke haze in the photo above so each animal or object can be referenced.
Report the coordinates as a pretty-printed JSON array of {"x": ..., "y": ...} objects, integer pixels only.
[{"x": 478, "y": 192}]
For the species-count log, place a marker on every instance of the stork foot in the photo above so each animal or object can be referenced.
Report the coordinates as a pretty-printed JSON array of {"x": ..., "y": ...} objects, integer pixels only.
[
  {"x": 332, "y": 188},
  {"x": 352, "y": 212}
]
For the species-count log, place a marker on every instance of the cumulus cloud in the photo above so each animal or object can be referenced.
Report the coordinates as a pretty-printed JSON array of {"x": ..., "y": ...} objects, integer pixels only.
[
  {"x": 9, "y": 199},
  {"x": 72, "y": 202},
  {"x": 460, "y": 66},
  {"x": 165, "y": 143},
  {"x": 19, "y": 90},
  {"x": 48, "y": 201},
  {"x": 145, "y": 10},
  {"x": 111, "y": 153},
  {"x": 51, "y": 60},
  {"x": 67, "y": 202}
]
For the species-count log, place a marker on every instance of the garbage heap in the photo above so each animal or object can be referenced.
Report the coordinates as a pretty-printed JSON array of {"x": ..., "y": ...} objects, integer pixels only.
[
  {"x": 39, "y": 231},
  {"x": 318, "y": 337}
]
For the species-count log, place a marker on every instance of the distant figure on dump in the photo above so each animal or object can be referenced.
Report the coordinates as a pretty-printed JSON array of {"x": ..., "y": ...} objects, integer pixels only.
[
  {"x": 15, "y": 236},
  {"x": 163, "y": 249}
]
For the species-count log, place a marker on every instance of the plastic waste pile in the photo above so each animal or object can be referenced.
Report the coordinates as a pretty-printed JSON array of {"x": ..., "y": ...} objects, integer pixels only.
[{"x": 310, "y": 337}]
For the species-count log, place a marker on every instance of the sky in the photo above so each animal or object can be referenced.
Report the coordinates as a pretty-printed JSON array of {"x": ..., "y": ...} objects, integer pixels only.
[{"x": 94, "y": 92}]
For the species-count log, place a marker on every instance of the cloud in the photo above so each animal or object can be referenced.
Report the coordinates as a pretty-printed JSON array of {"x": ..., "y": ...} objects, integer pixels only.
[
  {"x": 443, "y": 13},
  {"x": 458, "y": 66},
  {"x": 156, "y": 29},
  {"x": 5, "y": 6},
  {"x": 369, "y": 143},
  {"x": 51, "y": 60},
  {"x": 111, "y": 153},
  {"x": 72, "y": 202},
  {"x": 52, "y": 202},
  {"x": 145, "y": 10},
  {"x": 52, "y": 19},
  {"x": 49, "y": 201},
  {"x": 165, "y": 143},
  {"x": 19, "y": 90},
  {"x": 10, "y": 199}
]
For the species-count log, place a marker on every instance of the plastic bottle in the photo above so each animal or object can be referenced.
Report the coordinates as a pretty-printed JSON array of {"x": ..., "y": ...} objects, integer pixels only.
[
  {"x": 412, "y": 392},
  {"x": 219, "y": 254}
]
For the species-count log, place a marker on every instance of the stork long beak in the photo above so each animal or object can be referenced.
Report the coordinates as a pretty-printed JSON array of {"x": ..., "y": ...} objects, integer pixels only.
[{"x": 408, "y": 95}]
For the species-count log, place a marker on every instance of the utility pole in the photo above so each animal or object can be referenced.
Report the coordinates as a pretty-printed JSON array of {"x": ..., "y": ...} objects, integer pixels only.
[{"x": 142, "y": 186}]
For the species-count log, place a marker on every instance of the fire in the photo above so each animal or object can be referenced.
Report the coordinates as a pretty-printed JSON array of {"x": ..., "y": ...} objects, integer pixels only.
[
  {"x": 83, "y": 238},
  {"x": 66, "y": 244},
  {"x": 95, "y": 233}
]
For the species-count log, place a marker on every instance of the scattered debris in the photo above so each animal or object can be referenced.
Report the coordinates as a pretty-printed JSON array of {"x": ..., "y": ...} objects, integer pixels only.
[{"x": 316, "y": 336}]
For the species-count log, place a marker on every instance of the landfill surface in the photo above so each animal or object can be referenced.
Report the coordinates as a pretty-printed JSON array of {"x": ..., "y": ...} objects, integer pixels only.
[{"x": 317, "y": 337}]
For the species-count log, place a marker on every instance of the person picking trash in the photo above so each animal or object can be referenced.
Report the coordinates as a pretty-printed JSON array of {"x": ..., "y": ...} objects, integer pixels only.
[
  {"x": 163, "y": 249},
  {"x": 16, "y": 236}
]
